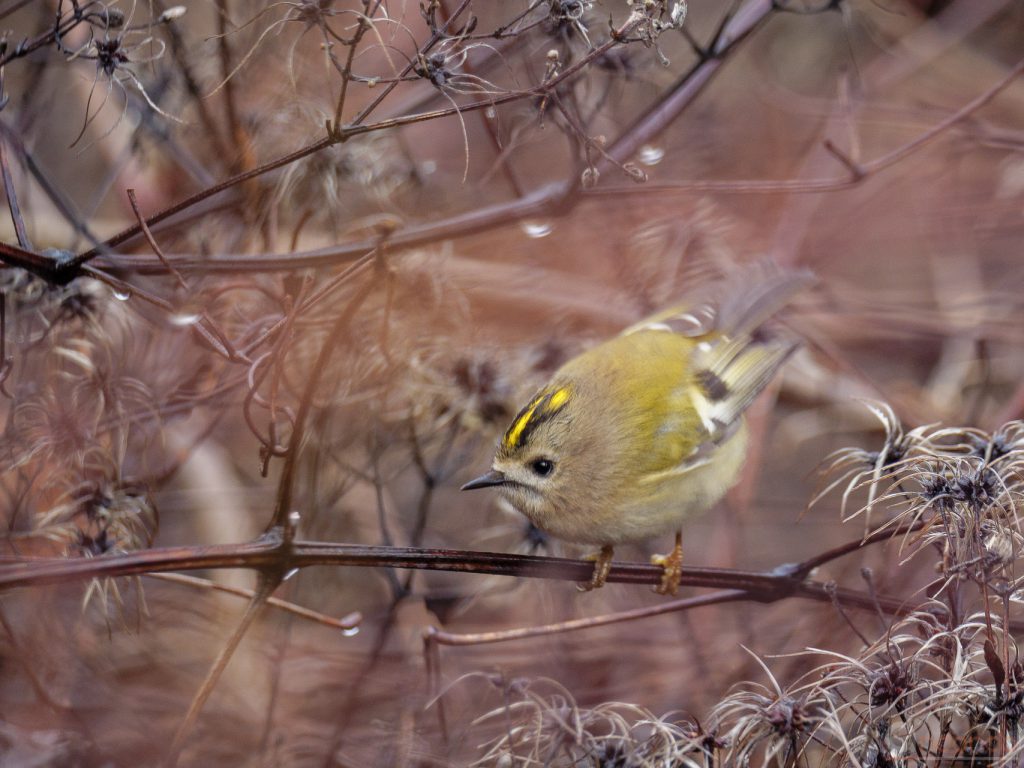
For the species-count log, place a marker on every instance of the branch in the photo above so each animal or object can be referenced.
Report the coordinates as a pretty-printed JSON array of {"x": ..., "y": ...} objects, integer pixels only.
[
  {"x": 857, "y": 172},
  {"x": 434, "y": 635},
  {"x": 553, "y": 199},
  {"x": 266, "y": 554}
]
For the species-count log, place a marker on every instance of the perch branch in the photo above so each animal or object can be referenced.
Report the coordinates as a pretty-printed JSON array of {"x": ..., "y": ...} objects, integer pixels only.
[{"x": 266, "y": 554}]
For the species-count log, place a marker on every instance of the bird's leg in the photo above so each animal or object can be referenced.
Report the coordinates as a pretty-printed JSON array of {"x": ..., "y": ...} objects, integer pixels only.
[
  {"x": 673, "y": 565},
  {"x": 602, "y": 565}
]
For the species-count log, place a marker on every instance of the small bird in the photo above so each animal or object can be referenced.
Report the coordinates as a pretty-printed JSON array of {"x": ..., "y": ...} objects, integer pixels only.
[{"x": 637, "y": 434}]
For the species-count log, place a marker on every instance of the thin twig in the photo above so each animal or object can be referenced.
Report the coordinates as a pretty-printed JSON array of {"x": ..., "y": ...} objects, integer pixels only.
[
  {"x": 346, "y": 623},
  {"x": 330, "y": 343},
  {"x": 858, "y": 171},
  {"x": 435, "y": 635},
  {"x": 252, "y": 611},
  {"x": 12, "y": 200}
]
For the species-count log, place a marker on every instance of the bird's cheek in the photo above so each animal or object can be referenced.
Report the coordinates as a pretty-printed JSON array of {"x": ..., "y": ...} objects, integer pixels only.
[
  {"x": 512, "y": 495},
  {"x": 523, "y": 500}
]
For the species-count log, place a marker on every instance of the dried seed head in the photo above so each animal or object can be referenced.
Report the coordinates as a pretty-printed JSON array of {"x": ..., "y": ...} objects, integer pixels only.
[
  {"x": 485, "y": 393},
  {"x": 786, "y": 716},
  {"x": 890, "y": 685},
  {"x": 111, "y": 18},
  {"x": 1001, "y": 545}
]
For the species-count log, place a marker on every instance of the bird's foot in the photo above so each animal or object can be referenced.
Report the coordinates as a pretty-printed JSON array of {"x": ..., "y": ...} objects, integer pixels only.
[
  {"x": 672, "y": 563},
  {"x": 602, "y": 566}
]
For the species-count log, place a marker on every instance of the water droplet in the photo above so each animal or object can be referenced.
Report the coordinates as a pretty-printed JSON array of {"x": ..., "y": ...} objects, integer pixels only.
[
  {"x": 185, "y": 318},
  {"x": 651, "y": 155},
  {"x": 290, "y": 573},
  {"x": 350, "y": 632},
  {"x": 490, "y": 113},
  {"x": 122, "y": 294},
  {"x": 59, "y": 255},
  {"x": 537, "y": 229}
]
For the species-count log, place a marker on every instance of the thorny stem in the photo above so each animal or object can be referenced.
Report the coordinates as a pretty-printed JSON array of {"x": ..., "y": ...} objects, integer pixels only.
[
  {"x": 551, "y": 200},
  {"x": 280, "y": 541},
  {"x": 547, "y": 200},
  {"x": 263, "y": 554}
]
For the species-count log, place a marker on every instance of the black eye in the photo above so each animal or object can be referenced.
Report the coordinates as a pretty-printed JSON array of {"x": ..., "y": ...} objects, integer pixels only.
[{"x": 542, "y": 467}]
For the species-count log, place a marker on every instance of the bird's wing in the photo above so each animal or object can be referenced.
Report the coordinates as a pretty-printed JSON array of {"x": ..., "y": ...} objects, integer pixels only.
[{"x": 734, "y": 355}]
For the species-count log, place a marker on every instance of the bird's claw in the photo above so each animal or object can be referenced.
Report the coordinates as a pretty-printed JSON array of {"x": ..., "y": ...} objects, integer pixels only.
[
  {"x": 602, "y": 567},
  {"x": 672, "y": 565}
]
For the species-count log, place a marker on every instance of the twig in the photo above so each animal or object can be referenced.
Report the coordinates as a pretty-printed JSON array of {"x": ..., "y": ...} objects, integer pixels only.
[
  {"x": 235, "y": 132},
  {"x": 282, "y": 508},
  {"x": 550, "y": 200},
  {"x": 560, "y": 198},
  {"x": 252, "y": 611},
  {"x": 345, "y": 623},
  {"x": 12, "y": 200},
  {"x": 340, "y": 134},
  {"x": 435, "y": 635},
  {"x": 858, "y": 171}
]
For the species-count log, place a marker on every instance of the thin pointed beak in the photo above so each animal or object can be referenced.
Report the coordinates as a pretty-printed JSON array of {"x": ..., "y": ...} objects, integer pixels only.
[{"x": 494, "y": 477}]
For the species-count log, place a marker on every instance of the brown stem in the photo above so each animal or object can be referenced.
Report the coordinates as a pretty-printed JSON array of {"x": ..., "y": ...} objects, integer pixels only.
[
  {"x": 230, "y": 101},
  {"x": 858, "y": 171},
  {"x": 266, "y": 553},
  {"x": 434, "y": 635},
  {"x": 551, "y": 200},
  {"x": 259, "y": 600},
  {"x": 12, "y": 200},
  {"x": 345, "y": 623},
  {"x": 340, "y": 134},
  {"x": 331, "y": 343}
]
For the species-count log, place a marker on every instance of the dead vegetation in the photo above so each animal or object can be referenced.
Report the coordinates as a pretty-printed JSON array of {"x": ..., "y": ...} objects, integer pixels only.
[{"x": 276, "y": 275}]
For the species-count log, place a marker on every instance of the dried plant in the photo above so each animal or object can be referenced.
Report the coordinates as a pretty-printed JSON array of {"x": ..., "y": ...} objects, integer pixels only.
[
  {"x": 276, "y": 275},
  {"x": 938, "y": 686}
]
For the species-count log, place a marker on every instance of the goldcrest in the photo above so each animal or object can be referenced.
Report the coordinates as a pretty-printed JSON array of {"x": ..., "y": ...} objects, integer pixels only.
[{"x": 636, "y": 435}]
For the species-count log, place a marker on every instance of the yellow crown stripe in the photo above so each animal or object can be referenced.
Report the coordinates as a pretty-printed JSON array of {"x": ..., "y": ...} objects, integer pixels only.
[
  {"x": 543, "y": 405},
  {"x": 558, "y": 398},
  {"x": 516, "y": 430}
]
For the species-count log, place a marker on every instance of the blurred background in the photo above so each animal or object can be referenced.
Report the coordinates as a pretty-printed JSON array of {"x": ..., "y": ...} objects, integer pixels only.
[{"x": 528, "y": 178}]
